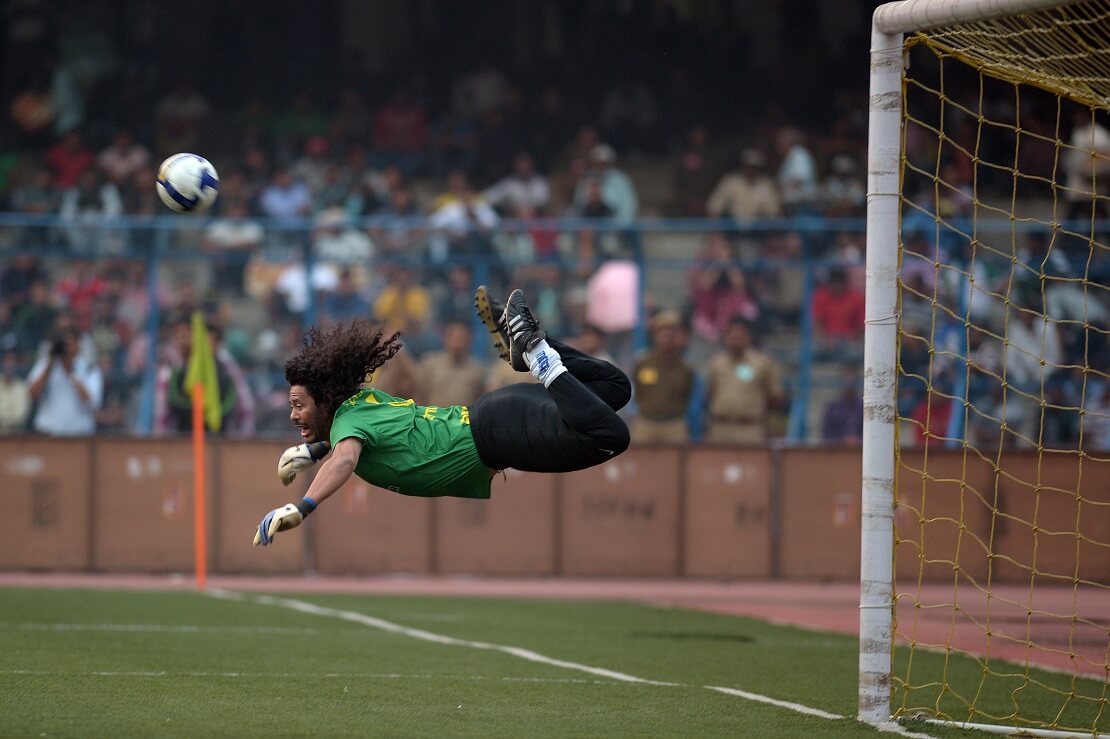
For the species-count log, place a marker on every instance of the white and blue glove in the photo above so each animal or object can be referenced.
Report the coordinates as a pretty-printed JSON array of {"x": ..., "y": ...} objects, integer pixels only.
[
  {"x": 289, "y": 516},
  {"x": 299, "y": 458}
]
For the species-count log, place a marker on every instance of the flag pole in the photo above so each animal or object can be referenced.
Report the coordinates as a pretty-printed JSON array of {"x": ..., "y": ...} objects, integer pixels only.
[{"x": 200, "y": 553}]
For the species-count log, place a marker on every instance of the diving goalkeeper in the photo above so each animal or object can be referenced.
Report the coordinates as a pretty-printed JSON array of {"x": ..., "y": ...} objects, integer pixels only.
[{"x": 568, "y": 423}]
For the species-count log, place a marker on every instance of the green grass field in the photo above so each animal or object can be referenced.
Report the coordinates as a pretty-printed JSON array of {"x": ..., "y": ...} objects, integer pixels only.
[{"x": 102, "y": 663}]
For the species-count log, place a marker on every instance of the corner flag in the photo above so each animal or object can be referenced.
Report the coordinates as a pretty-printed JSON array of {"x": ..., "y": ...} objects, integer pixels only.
[{"x": 202, "y": 369}]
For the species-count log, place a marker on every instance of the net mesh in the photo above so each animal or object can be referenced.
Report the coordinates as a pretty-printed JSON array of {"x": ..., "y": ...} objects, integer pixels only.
[{"x": 1002, "y": 525}]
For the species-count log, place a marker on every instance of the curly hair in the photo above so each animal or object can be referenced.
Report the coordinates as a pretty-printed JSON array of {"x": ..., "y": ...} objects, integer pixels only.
[{"x": 332, "y": 364}]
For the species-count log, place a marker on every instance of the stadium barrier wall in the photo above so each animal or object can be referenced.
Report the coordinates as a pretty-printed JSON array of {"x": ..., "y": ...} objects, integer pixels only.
[{"x": 117, "y": 505}]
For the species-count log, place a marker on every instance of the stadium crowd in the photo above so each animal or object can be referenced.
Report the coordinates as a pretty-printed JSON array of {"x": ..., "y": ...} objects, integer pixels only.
[{"x": 403, "y": 200}]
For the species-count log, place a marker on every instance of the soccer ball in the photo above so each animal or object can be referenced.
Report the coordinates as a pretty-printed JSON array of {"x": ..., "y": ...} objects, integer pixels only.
[{"x": 187, "y": 183}]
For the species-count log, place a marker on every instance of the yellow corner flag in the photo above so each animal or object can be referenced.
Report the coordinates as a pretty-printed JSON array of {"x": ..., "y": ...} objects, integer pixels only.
[{"x": 202, "y": 369}]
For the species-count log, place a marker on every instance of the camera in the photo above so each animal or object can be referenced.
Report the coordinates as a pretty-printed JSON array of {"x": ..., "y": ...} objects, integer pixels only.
[{"x": 58, "y": 347}]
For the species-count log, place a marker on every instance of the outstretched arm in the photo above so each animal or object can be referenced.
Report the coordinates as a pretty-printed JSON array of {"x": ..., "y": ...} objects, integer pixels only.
[
  {"x": 336, "y": 470},
  {"x": 333, "y": 474}
]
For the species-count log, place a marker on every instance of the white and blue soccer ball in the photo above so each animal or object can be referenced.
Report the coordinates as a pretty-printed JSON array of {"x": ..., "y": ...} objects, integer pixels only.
[{"x": 188, "y": 183}]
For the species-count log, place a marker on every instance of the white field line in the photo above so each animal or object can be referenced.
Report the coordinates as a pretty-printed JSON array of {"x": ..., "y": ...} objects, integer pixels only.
[
  {"x": 161, "y": 628},
  {"x": 527, "y": 654},
  {"x": 317, "y": 676}
]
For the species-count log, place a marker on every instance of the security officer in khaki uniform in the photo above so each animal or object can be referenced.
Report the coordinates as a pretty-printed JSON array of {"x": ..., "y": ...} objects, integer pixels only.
[
  {"x": 744, "y": 385},
  {"x": 452, "y": 376},
  {"x": 663, "y": 383}
]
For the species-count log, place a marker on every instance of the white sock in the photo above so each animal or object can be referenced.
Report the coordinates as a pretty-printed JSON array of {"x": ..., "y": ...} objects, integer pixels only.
[{"x": 544, "y": 362}]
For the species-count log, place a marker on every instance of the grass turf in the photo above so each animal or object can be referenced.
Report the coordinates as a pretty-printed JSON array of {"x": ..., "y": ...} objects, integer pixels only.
[{"x": 97, "y": 663}]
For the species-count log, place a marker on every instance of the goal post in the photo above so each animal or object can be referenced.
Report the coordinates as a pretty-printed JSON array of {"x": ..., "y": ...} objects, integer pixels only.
[{"x": 986, "y": 472}]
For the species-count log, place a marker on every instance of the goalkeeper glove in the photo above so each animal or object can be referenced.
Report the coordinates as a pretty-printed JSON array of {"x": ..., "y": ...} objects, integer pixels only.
[
  {"x": 300, "y": 457},
  {"x": 289, "y": 516}
]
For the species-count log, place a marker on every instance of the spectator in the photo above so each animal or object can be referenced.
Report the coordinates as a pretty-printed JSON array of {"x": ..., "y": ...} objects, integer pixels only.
[
  {"x": 86, "y": 206},
  {"x": 334, "y": 192},
  {"x": 231, "y": 240},
  {"x": 295, "y": 286},
  {"x": 744, "y": 387},
  {"x": 179, "y": 397},
  {"x": 452, "y": 376},
  {"x": 66, "y": 387},
  {"x": 20, "y": 271},
  {"x": 394, "y": 236},
  {"x": 718, "y": 291},
  {"x": 242, "y": 420},
  {"x": 842, "y": 422},
  {"x": 15, "y": 396},
  {"x": 522, "y": 188},
  {"x": 400, "y": 133},
  {"x": 337, "y": 243},
  {"x": 120, "y": 161},
  {"x": 748, "y": 192},
  {"x": 694, "y": 175},
  {"x": 573, "y": 164},
  {"x": 663, "y": 384},
  {"x": 36, "y": 196},
  {"x": 79, "y": 289},
  {"x": 402, "y": 305},
  {"x": 593, "y": 341},
  {"x": 311, "y": 168},
  {"x": 33, "y": 319},
  {"x": 617, "y": 191},
  {"x": 797, "y": 175},
  {"x": 346, "y": 302},
  {"x": 464, "y": 220},
  {"x": 838, "y": 313},
  {"x": 284, "y": 197},
  {"x": 1086, "y": 160},
  {"x": 844, "y": 192},
  {"x": 457, "y": 303},
  {"x": 181, "y": 117},
  {"x": 67, "y": 159}
]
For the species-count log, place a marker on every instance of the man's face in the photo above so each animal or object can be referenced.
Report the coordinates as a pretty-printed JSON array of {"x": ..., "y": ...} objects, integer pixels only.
[
  {"x": 736, "y": 338},
  {"x": 456, "y": 339},
  {"x": 305, "y": 415}
]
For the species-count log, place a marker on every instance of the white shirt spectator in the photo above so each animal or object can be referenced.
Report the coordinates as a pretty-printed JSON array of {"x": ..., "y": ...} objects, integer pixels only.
[
  {"x": 798, "y": 177},
  {"x": 15, "y": 404},
  {"x": 456, "y": 217},
  {"x": 294, "y": 286},
  {"x": 1087, "y": 157},
  {"x": 61, "y": 410},
  {"x": 234, "y": 233},
  {"x": 119, "y": 164},
  {"x": 1029, "y": 342},
  {"x": 346, "y": 246},
  {"x": 516, "y": 192}
]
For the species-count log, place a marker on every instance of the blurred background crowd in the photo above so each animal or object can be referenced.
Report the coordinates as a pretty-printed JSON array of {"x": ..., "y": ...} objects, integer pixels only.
[{"x": 381, "y": 160}]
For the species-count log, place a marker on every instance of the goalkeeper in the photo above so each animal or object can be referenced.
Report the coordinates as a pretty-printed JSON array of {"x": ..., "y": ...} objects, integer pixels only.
[{"x": 568, "y": 423}]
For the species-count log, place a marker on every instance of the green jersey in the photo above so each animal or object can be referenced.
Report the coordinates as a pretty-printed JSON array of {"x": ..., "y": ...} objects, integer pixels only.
[{"x": 412, "y": 449}]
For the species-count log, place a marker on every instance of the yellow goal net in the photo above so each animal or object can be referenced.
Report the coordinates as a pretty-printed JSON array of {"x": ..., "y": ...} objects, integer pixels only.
[{"x": 987, "y": 399}]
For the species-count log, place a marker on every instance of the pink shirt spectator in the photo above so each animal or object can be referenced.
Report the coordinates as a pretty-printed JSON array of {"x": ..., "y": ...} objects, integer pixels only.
[{"x": 612, "y": 297}]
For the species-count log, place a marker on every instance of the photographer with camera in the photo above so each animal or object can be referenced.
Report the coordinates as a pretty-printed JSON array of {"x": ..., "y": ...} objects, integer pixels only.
[{"x": 66, "y": 387}]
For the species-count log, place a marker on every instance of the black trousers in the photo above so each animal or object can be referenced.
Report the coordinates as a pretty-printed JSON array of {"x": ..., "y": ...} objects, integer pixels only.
[{"x": 571, "y": 425}]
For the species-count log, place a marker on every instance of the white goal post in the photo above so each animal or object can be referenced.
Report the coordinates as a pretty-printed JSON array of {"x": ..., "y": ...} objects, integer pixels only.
[{"x": 890, "y": 23}]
